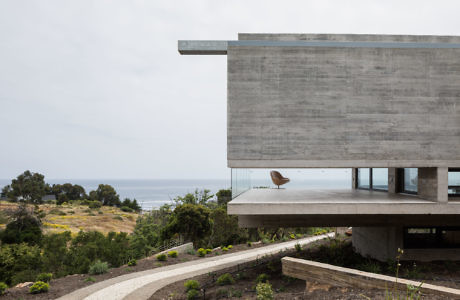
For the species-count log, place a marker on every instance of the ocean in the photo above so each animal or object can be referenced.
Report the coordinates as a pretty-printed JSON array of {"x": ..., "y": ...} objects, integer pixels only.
[{"x": 152, "y": 193}]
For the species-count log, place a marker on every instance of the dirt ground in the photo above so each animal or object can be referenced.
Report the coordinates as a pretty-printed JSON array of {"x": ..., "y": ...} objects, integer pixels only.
[{"x": 65, "y": 285}]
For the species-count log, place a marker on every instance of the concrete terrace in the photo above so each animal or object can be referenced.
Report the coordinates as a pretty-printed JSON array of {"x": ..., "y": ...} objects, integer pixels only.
[{"x": 266, "y": 207}]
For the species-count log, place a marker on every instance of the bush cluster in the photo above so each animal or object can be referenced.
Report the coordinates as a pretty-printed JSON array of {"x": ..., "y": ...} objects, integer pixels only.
[
  {"x": 98, "y": 267},
  {"x": 264, "y": 291},
  {"x": 262, "y": 278},
  {"x": 225, "y": 279},
  {"x": 132, "y": 262},
  {"x": 202, "y": 252},
  {"x": 192, "y": 288},
  {"x": 3, "y": 288},
  {"x": 39, "y": 287},
  {"x": 172, "y": 254},
  {"x": 161, "y": 257},
  {"x": 45, "y": 277}
]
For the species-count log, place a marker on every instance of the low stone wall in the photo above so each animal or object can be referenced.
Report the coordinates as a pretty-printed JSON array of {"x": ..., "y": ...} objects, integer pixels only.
[
  {"x": 345, "y": 277},
  {"x": 180, "y": 249}
]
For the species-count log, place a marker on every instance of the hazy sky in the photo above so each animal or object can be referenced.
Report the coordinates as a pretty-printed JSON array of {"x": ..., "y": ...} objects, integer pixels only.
[{"x": 97, "y": 89}]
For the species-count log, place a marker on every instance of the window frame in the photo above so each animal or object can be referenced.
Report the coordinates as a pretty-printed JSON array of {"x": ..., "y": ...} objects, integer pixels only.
[
  {"x": 448, "y": 171},
  {"x": 371, "y": 183}
]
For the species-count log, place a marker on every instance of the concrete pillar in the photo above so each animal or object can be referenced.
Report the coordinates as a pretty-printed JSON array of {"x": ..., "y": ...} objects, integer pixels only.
[
  {"x": 381, "y": 243},
  {"x": 354, "y": 178},
  {"x": 433, "y": 184},
  {"x": 393, "y": 180}
]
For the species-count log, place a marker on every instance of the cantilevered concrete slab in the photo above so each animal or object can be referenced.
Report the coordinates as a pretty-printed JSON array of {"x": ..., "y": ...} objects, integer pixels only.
[
  {"x": 290, "y": 207},
  {"x": 202, "y": 47}
]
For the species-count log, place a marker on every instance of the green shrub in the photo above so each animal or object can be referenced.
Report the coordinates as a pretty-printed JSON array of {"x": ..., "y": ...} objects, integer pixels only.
[
  {"x": 266, "y": 241},
  {"x": 118, "y": 218},
  {"x": 191, "y": 251},
  {"x": 249, "y": 244},
  {"x": 201, "y": 252},
  {"x": 172, "y": 254},
  {"x": 39, "y": 287},
  {"x": 191, "y": 285},
  {"x": 94, "y": 204},
  {"x": 222, "y": 293},
  {"x": 72, "y": 212},
  {"x": 298, "y": 235},
  {"x": 126, "y": 209},
  {"x": 98, "y": 268},
  {"x": 3, "y": 288},
  {"x": 229, "y": 246},
  {"x": 262, "y": 278},
  {"x": 371, "y": 267},
  {"x": 225, "y": 279},
  {"x": 192, "y": 294},
  {"x": 224, "y": 249},
  {"x": 56, "y": 211},
  {"x": 132, "y": 262},
  {"x": 292, "y": 236},
  {"x": 298, "y": 247},
  {"x": 161, "y": 257},
  {"x": 236, "y": 293},
  {"x": 100, "y": 212},
  {"x": 45, "y": 277},
  {"x": 208, "y": 251},
  {"x": 264, "y": 291},
  {"x": 90, "y": 279}
]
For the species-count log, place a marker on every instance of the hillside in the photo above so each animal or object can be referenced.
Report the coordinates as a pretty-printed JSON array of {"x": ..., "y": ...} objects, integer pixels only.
[{"x": 73, "y": 217}]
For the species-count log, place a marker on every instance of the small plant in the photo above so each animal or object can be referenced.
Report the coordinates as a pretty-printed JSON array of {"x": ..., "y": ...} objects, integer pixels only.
[
  {"x": 3, "y": 287},
  {"x": 90, "y": 279},
  {"x": 39, "y": 287},
  {"x": 236, "y": 293},
  {"x": 249, "y": 244},
  {"x": 191, "y": 251},
  {"x": 229, "y": 246},
  {"x": 371, "y": 267},
  {"x": 208, "y": 251},
  {"x": 94, "y": 204},
  {"x": 118, "y": 218},
  {"x": 98, "y": 267},
  {"x": 292, "y": 236},
  {"x": 264, "y": 291},
  {"x": 192, "y": 294},
  {"x": 298, "y": 248},
  {"x": 262, "y": 278},
  {"x": 241, "y": 276},
  {"x": 45, "y": 277},
  {"x": 266, "y": 241},
  {"x": 201, "y": 252},
  {"x": 132, "y": 262},
  {"x": 172, "y": 254},
  {"x": 72, "y": 212},
  {"x": 225, "y": 279},
  {"x": 191, "y": 285},
  {"x": 225, "y": 249},
  {"x": 126, "y": 209},
  {"x": 100, "y": 212},
  {"x": 298, "y": 235},
  {"x": 161, "y": 257},
  {"x": 222, "y": 293}
]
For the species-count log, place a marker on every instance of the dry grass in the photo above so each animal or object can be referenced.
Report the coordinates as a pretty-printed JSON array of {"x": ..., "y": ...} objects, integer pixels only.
[{"x": 79, "y": 217}]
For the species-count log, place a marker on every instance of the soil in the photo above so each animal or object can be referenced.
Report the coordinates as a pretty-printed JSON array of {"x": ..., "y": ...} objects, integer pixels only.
[
  {"x": 290, "y": 288},
  {"x": 62, "y": 286}
]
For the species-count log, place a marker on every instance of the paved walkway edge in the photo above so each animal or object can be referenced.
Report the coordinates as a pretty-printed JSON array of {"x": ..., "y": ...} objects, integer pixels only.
[{"x": 141, "y": 285}]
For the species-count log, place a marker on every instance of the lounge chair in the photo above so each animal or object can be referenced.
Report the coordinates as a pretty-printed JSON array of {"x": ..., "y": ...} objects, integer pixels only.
[{"x": 278, "y": 179}]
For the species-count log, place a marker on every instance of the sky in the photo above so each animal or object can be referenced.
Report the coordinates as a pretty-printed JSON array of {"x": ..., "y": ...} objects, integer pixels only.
[{"x": 97, "y": 89}]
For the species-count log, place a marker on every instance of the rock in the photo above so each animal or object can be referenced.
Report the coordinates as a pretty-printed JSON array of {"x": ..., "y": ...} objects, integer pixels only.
[{"x": 24, "y": 284}]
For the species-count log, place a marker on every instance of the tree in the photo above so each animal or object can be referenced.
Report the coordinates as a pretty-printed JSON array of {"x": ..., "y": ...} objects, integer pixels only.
[
  {"x": 189, "y": 220},
  {"x": 223, "y": 197},
  {"x": 106, "y": 194},
  {"x": 225, "y": 230},
  {"x": 198, "y": 197},
  {"x": 67, "y": 191},
  {"x": 28, "y": 187},
  {"x": 131, "y": 204},
  {"x": 25, "y": 228}
]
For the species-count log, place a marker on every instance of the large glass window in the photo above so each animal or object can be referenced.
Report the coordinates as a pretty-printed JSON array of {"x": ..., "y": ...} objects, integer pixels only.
[
  {"x": 431, "y": 237},
  {"x": 380, "y": 179},
  {"x": 241, "y": 181},
  {"x": 454, "y": 182},
  {"x": 364, "y": 178},
  {"x": 410, "y": 180}
]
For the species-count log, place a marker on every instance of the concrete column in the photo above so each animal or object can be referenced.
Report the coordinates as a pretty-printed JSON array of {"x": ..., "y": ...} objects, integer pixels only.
[
  {"x": 433, "y": 184},
  {"x": 381, "y": 243},
  {"x": 392, "y": 180},
  {"x": 354, "y": 178}
]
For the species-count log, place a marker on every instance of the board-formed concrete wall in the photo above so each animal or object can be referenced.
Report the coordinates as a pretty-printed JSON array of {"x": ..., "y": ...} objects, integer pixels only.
[{"x": 301, "y": 106}]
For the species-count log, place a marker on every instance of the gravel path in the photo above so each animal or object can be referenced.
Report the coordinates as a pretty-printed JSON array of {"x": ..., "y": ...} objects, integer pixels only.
[{"x": 141, "y": 285}]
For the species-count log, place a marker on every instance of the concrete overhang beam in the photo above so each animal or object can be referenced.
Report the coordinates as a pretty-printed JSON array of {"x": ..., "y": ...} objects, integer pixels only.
[{"x": 188, "y": 47}]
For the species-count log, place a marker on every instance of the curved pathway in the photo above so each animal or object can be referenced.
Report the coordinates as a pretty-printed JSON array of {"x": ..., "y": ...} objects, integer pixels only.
[{"x": 141, "y": 285}]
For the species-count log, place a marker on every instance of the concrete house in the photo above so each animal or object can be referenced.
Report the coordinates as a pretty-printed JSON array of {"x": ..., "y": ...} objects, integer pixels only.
[{"x": 387, "y": 106}]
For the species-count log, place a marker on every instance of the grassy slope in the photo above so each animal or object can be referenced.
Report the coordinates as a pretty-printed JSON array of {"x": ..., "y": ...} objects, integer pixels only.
[{"x": 79, "y": 217}]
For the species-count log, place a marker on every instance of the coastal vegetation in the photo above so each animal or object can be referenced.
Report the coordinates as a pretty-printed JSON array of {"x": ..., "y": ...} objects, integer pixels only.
[{"x": 71, "y": 234}]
